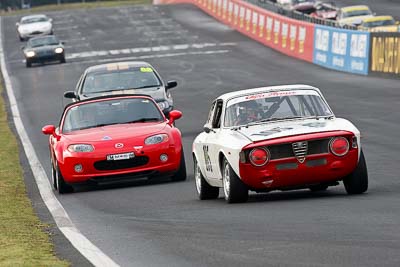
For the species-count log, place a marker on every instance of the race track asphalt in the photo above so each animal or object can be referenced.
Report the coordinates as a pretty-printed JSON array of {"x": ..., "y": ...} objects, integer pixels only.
[{"x": 164, "y": 224}]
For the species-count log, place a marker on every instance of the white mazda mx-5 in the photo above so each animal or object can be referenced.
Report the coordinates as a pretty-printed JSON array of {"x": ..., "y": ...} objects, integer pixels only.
[{"x": 276, "y": 138}]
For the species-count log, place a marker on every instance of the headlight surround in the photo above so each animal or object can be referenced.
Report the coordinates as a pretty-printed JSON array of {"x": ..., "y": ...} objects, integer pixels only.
[
  {"x": 59, "y": 50},
  {"x": 80, "y": 148},
  {"x": 163, "y": 105},
  {"x": 156, "y": 139},
  {"x": 30, "y": 54}
]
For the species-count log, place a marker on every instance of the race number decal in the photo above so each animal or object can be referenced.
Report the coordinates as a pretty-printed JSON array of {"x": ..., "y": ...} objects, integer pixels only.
[{"x": 207, "y": 159}]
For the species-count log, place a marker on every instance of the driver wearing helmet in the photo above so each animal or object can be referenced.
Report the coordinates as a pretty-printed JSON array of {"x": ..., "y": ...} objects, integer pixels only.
[{"x": 247, "y": 112}]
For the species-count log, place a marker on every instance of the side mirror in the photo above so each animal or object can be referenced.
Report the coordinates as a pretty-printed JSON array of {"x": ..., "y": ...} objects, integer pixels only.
[
  {"x": 49, "y": 130},
  {"x": 174, "y": 115},
  {"x": 17, "y": 24},
  {"x": 207, "y": 129},
  {"x": 171, "y": 84},
  {"x": 50, "y": 20},
  {"x": 63, "y": 42},
  {"x": 22, "y": 47},
  {"x": 70, "y": 94}
]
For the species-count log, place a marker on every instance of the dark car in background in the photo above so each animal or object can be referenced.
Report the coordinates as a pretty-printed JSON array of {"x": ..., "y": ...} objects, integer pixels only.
[
  {"x": 44, "y": 49},
  {"x": 134, "y": 77}
]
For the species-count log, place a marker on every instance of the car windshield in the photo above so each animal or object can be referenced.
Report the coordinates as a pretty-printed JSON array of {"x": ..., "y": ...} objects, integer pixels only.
[
  {"x": 109, "y": 112},
  {"x": 34, "y": 20},
  {"x": 42, "y": 41},
  {"x": 356, "y": 13},
  {"x": 272, "y": 106},
  {"x": 379, "y": 23},
  {"x": 132, "y": 78}
]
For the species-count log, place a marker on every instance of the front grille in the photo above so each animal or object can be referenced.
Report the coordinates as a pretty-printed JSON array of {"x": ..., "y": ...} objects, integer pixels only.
[
  {"x": 108, "y": 165},
  {"x": 286, "y": 150},
  {"x": 281, "y": 151}
]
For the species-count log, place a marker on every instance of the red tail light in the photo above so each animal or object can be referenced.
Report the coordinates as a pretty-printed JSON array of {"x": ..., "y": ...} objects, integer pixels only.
[
  {"x": 339, "y": 146},
  {"x": 259, "y": 156}
]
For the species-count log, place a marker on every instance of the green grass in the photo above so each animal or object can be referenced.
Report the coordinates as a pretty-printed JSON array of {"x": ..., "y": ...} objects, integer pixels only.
[
  {"x": 24, "y": 239},
  {"x": 75, "y": 6}
]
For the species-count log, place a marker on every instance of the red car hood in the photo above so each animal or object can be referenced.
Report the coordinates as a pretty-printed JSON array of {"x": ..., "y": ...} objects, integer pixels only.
[{"x": 118, "y": 132}]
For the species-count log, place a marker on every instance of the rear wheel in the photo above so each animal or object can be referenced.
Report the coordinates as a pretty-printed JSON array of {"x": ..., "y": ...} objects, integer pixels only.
[
  {"x": 180, "y": 175},
  {"x": 357, "y": 181},
  {"x": 204, "y": 190},
  {"x": 235, "y": 190},
  {"x": 61, "y": 185}
]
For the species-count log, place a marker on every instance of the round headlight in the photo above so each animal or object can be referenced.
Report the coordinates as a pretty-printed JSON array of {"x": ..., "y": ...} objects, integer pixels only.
[
  {"x": 259, "y": 156},
  {"x": 58, "y": 50},
  {"x": 163, "y": 105},
  {"x": 30, "y": 54},
  {"x": 339, "y": 146}
]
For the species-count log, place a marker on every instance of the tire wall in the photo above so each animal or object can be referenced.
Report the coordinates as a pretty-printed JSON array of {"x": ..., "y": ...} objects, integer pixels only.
[{"x": 344, "y": 50}]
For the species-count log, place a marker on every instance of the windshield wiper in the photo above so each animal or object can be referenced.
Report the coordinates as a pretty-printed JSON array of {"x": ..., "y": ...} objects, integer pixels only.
[
  {"x": 143, "y": 120},
  {"x": 98, "y": 125},
  {"x": 147, "y": 86},
  {"x": 277, "y": 119}
]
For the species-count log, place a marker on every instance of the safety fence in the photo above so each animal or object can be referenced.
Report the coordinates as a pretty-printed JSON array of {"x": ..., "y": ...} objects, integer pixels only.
[{"x": 331, "y": 47}]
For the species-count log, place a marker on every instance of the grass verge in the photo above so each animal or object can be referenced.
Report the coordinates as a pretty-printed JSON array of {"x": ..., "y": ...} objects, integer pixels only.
[
  {"x": 23, "y": 238},
  {"x": 75, "y": 6}
]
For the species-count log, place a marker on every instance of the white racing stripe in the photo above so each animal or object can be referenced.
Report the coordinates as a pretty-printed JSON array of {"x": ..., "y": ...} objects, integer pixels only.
[{"x": 64, "y": 223}]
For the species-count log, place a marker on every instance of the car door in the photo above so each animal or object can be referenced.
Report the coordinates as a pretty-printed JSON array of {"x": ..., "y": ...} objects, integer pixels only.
[{"x": 212, "y": 142}]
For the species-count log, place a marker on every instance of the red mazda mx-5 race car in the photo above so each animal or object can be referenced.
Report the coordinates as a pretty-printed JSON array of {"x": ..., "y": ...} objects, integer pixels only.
[{"x": 114, "y": 138}]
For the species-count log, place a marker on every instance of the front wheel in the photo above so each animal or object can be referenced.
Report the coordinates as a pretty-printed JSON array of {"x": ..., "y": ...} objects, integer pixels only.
[
  {"x": 28, "y": 64},
  {"x": 357, "y": 181},
  {"x": 235, "y": 190},
  {"x": 204, "y": 190},
  {"x": 180, "y": 175},
  {"x": 62, "y": 60},
  {"x": 61, "y": 186}
]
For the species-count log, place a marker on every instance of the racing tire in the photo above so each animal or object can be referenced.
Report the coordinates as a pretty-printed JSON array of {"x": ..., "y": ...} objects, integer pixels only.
[
  {"x": 235, "y": 191},
  {"x": 28, "y": 64},
  {"x": 62, "y": 186},
  {"x": 318, "y": 188},
  {"x": 62, "y": 60},
  {"x": 357, "y": 181},
  {"x": 180, "y": 175},
  {"x": 204, "y": 190},
  {"x": 53, "y": 176}
]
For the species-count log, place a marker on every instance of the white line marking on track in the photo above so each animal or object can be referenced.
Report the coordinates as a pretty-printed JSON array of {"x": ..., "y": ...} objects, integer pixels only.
[
  {"x": 145, "y": 49},
  {"x": 65, "y": 28},
  {"x": 211, "y": 52},
  {"x": 64, "y": 223}
]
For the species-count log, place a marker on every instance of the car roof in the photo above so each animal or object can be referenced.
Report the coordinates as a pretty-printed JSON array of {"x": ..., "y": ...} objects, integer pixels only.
[
  {"x": 267, "y": 89},
  {"x": 354, "y": 8},
  {"x": 34, "y": 16},
  {"x": 378, "y": 18},
  {"x": 117, "y": 66}
]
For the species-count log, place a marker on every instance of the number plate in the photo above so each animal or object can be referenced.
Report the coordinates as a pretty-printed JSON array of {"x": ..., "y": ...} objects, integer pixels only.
[{"x": 121, "y": 156}]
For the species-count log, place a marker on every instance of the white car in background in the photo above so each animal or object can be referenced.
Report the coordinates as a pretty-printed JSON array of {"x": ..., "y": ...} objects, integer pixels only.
[
  {"x": 276, "y": 138},
  {"x": 34, "y": 25}
]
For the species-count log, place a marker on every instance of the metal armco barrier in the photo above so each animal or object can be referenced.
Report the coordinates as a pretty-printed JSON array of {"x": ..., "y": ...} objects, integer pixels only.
[
  {"x": 336, "y": 48},
  {"x": 385, "y": 54}
]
